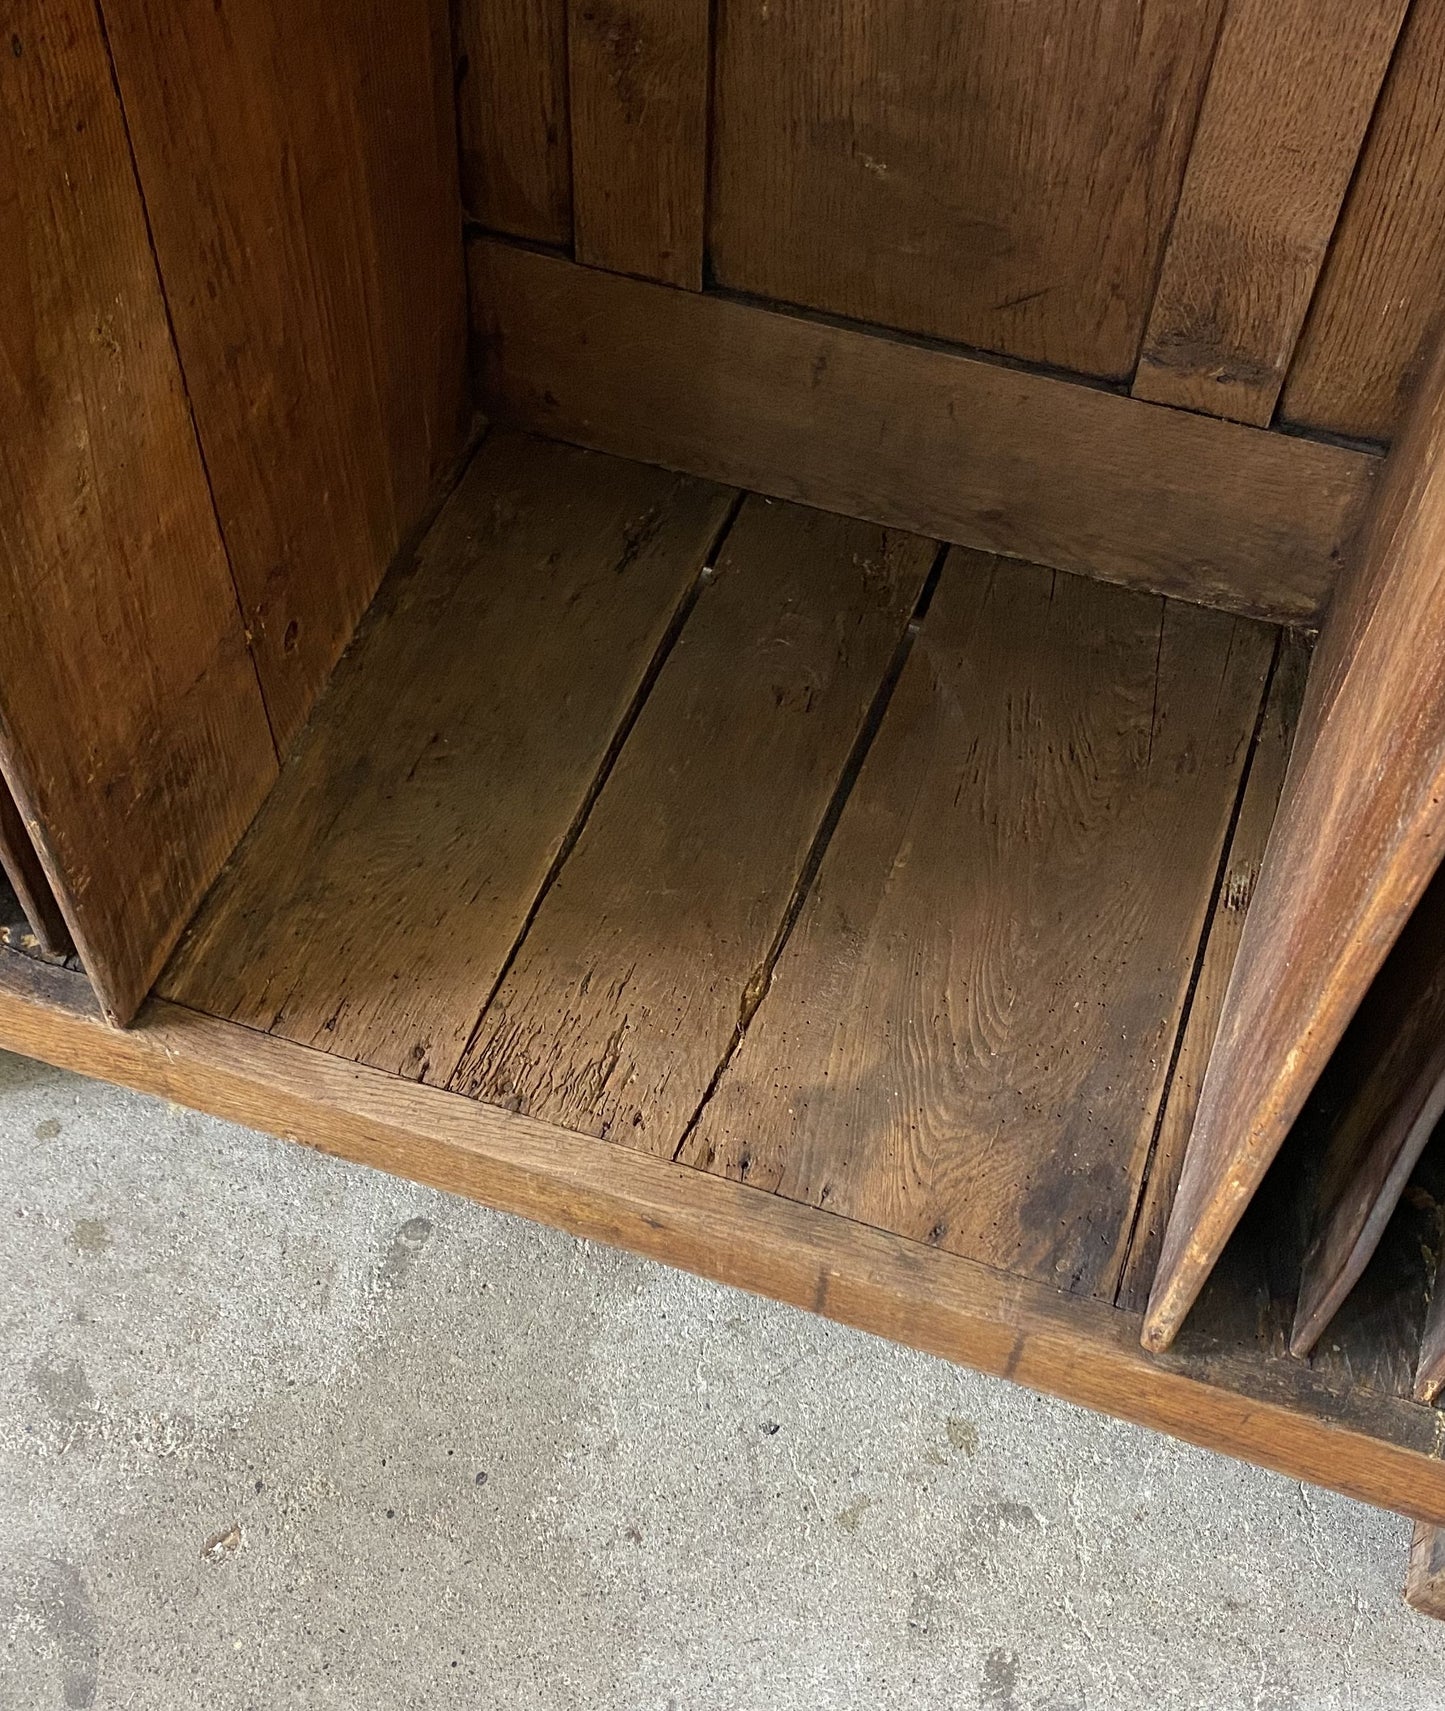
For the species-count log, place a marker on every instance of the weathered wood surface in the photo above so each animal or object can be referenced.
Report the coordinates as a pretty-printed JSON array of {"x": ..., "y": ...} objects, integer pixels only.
[
  {"x": 1291, "y": 91},
  {"x": 299, "y": 169},
  {"x": 132, "y": 732},
  {"x": 1430, "y": 1366},
  {"x": 376, "y": 900},
  {"x": 917, "y": 438},
  {"x": 654, "y": 943},
  {"x": 1356, "y": 841},
  {"x": 966, "y": 1037},
  {"x": 1425, "y": 1579}
]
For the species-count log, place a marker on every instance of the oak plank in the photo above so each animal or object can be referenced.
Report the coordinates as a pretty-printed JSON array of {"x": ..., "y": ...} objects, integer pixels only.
[
  {"x": 1291, "y": 92},
  {"x": 1380, "y": 295},
  {"x": 133, "y": 738},
  {"x": 639, "y": 106},
  {"x": 916, "y": 438},
  {"x": 512, "y": 121},
  {"x": 652, "y": 944},
  {"x": 299, "y": 169},
  {"x": 1278, "y": 1414},
  {"x": 1006, "y": 183},
  {"x": 1355, "y": 842},
  {"x": 966, "y": 1038},
  {"x": 21, "y": 865},
  {"x": 375, "y": 901}
]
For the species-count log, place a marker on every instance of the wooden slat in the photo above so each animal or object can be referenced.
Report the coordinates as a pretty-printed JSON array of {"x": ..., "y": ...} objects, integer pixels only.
[
  {"x": 1231, "y": 906},
  {"x": 1430, "y": 1368},
  {"x": 1425, "y": 1580},
  {"x": 27, "y": 880},
  {"x": 917, "y": 438},
  {"x": 1381, "y": 292},
  {"x": 374, "y": 903},
  {"x": 1290, "y": 95},
  {"x": 512, "y": 122},
  {"x": 655, "y": 940},
  {"x": 1355, "y": 843},
  {"x": 1004, "y": 181},
  {"x": 966, "y": 1038},
  {"x": 1279, "y": 1414},
  {"x": 639, "y": 86},
  {"x": 299, "y": 169},
  {"x": 132, "y": 733}
]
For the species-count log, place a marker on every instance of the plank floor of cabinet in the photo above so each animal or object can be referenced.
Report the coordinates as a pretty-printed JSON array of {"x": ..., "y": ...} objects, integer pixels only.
[{"x": 793, "y": 899}]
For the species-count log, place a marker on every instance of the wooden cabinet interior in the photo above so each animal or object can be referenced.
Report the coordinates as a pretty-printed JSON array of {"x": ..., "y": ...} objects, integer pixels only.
[{"x": 840, "y": 794}]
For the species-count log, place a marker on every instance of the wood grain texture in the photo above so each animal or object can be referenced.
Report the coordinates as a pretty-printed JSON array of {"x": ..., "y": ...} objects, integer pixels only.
[
  {"x": 299, "y": 168},
  {"x": 512, "y": 121},
  {"x": 639, "y": 83},
  {"x": 1290, "y": 95},
  {"x": 1356, "y": 841},
  {"x": 917, "y": 438},
  {"x": 1391, "y": 1066},
  {"x": 966, "y": 1037},
  {"x": 132, "y": 733},
  {"x": 21, "y": 864},
  {"x": 375, "y": 902},
  {"x": 652, "y": 945},
  {"x": 1425, "y": 1577},
  {"x": 1005, "y": 182},
  {"x": 1259, "y": 800},
  {"x": 1381, "y": 292},
  {"x": 1277, "y": 1413},
  {"x": 1430, "y": 1366}
]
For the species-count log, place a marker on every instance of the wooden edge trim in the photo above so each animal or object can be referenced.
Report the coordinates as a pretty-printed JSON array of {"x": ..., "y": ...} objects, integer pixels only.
[
  {"x": 1081, "y": 1350},
  {"x": 915, "y": 436},
  {"x": 1425, "y": 1577}
]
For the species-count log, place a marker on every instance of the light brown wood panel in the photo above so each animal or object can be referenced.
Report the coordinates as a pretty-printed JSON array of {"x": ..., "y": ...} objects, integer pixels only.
[
  {"x": 1003, "y": 177},
  {"x": 375, "y": 902},
  {"x": 655, "y": 940},
  {"x": 512, "y": 121},
  {"x": 1278, "y": 1413},
  {"x": 639, "y": 83},
  {"x": 1290, "y": 95},
  {"x": 1259, "y": 800},
  {"x": 299, "y": 168},
  {"x": 917, "y": 438},
  {"x": 132, "y": 733},
  {"x": 966, "y": 1038},
  {"x": 27, "y": 879},
  {"x": 1383, "y": 286},
  {"x": 1356, "y": 841}
]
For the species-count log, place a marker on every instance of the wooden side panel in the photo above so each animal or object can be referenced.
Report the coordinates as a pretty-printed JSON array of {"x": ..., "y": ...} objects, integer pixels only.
[
  {"x": 131, "y": 726},
  {"x": 512, "y": 122},
  {"x": 21, "y": 862},
  {"x": 299, "y": 167},
  {"x": 384, "y": 885},
  {"x": 655, "y": 941},
  {"x": 1291, "y": 92},
  {"x": 1425, "y": 1580},
  {"x": 639, "y": 81},
  {"x": 1002, "y": 175},
  {"x": 1356, "y": 841},
  {"x": 1383, "y": 286},
  {"x": 917, "y": 438},
  {"x": 966, "y": 1038}
]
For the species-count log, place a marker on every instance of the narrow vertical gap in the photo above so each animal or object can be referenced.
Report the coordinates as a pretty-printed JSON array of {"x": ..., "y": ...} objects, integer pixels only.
[
  {"x": 709, "y": 144},
  {"x": 756, "y": 989},
  {"x": 566, "y": 6}
]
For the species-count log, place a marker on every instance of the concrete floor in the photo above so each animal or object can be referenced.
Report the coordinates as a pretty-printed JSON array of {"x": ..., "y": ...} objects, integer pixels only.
[{"x": 277, "y": 1432}]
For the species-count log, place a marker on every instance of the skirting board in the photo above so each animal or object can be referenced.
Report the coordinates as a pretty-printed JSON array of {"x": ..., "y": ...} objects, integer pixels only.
[
  {"x": 916, "y": 436},
  {"x": 1275, "y": 1413}
]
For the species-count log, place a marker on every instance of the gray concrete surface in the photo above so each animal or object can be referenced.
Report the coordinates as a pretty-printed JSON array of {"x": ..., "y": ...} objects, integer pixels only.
[{"x": 279, "y": 1432}]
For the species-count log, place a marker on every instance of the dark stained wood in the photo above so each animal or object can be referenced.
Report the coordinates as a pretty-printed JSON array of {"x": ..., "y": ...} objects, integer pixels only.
[
  {"x": 1005, "y": 181},
  {"x": 1280, "y": 1414},
  {"x": 966, "y": 1038},
  {"x": 1356, "y": 841},
  {"x": 1383, "y": 286},
  {"x": 917, "y": 438},
  {"x": 654, "y": 942},
  {"x": 1425, "y": 1580},
  {"x": 27, "y": 879},
  {"x": 512, "y": 126},
  {"x": 1290, "y": 95},
  {"x": 132, "y": 733},
  {"x": 1240, "y": 875},
  {"x": 639, "y": 85},
  {"x": 375, "y": 902},
  {"x": 299, "y": 168},
  {"x": 1392, "y": 1064},
  {"x": 1430, "y": 1367}
]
